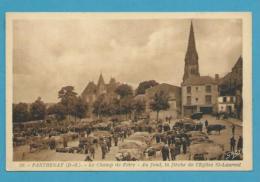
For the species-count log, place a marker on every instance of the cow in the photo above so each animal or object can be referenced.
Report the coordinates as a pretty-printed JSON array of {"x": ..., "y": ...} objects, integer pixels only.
[{"x": 215, "y": 127}]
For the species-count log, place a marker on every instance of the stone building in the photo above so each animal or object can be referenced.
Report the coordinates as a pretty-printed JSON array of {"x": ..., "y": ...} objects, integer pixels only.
[
  {"x": 93, "y": 91},
  {"x": 174, "y": 93},
  {"x": 226, "y": 104},
  {"x": 232, "y": 85},
  {"x": 199, "y": 93}
]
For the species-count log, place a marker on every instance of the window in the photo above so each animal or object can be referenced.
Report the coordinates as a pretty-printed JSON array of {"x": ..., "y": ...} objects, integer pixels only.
[
  {"x": 197, "y": 88},
  {"x": 208, "y": 99},
  {"x": 197, "y": 99},
  {"x": 188, "y": 90},
  {"x": 208, "y": 88},
  {"x": 224, "y": 99},
  {"x": 231, "y": 99},
  {"x": 188, "y": 100}
]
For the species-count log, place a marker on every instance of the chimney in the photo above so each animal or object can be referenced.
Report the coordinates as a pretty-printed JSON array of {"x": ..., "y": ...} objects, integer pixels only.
[{"x": 216, "y": 76}]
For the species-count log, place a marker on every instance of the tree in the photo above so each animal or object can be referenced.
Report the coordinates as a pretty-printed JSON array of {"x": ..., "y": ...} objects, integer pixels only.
[
  {"x": 38, "y": 109},
  {"x": 100, "y": 106},
  {"x": 59, "y": 110},
  {"x": 68, "y": 98},
  {"x": 138, "y": 107},
  {"x": 20, "y": 112},
  {"x": 124, "y": 90},
  {"x": 114, "y": 107},
  {"x": 126, "y": 105},
  {"x": 160, "y": 102},
  {"x": 81, "y": 108},
  {"x": 145, "y": 85}
]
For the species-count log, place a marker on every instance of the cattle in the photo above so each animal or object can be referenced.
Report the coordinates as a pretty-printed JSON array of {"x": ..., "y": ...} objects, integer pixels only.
[{"x": 215, "y": 127}]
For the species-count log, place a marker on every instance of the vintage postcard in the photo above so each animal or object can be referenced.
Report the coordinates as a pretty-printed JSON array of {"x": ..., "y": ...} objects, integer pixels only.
[{"x": 128, "y": 91}]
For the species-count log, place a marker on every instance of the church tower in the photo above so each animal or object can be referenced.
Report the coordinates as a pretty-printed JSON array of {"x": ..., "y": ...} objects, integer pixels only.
[
  {"x": 191, "y": 57},
  {"x": 101, "y": 86}
]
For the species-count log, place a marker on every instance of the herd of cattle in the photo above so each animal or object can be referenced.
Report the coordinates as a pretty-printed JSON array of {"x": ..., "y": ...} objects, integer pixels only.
[{"x": 137, "y": 139}]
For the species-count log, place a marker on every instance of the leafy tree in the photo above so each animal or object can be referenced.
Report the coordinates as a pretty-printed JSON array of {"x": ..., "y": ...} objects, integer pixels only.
[
  {"x": 21, "y": 112},
  {"x": 124, "y": 90},
  {"x": 59, "y": 110},
  {"x": 81, "y": 108},
  {"x": 100, "y": 106},
  {"x": 126, "y": 105},
  {"x": 38, "y": 109},
  {"x": 114, "y": 107},
  {"x": 68, "y": 98},
  {"x": 160, "y": 102},
  {"x": 138, "y": 107},
  {"x": 145, "y": 85}
]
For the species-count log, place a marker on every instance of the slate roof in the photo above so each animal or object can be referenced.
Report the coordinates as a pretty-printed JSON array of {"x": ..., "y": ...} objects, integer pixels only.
[{"x": 199, "y": 80}]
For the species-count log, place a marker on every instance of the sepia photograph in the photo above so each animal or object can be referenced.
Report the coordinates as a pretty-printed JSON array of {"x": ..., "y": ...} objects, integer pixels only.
[{"x": 128, "y": 91}]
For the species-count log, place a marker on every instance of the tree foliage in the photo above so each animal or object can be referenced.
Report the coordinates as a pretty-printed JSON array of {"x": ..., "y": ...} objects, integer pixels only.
[
  {"x": 68, "y": 98},
  {"x": 101, "y": 106},
  {"x": 160, "y": 102},
  {"x": 81, "y": 108},
  {"x": 145, "y": 85},
  {"x": 139, "y": 106},
  {"x": 38, "y": 110},
  {"x": 126, "y": 105},
  {"x": 21, "y": 112},
  {"x": 59, "y": 110},
  {"x": 124, "y": 90}
]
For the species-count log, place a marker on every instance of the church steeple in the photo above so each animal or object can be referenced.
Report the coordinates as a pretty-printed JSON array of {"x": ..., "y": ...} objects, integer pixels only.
[
  {"x": 191, "y": 57},
  {"x": 101, "y": 86},
  {"x": 101, "y": 80}
]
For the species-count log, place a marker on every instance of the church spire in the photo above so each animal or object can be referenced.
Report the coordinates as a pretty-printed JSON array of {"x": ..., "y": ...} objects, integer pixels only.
[
  {"x": 191, "y": 57},
  {"x": 101, "y": 86},
  {"x": 101, "y": 80}
]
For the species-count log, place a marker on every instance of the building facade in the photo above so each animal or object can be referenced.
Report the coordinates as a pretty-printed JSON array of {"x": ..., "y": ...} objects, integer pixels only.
[
  {"x": 174, "y": 94},
  {"x": 232, "y": 85},
  {"x": 199, "y": 93},
  {"x": 226, "y": 104}
]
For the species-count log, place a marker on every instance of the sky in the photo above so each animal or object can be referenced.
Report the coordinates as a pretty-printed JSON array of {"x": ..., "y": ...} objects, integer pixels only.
[{"x": 49, "y": 54}]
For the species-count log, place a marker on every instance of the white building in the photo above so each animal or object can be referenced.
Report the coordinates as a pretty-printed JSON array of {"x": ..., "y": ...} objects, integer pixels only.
[{"x": 226, "y": 104}]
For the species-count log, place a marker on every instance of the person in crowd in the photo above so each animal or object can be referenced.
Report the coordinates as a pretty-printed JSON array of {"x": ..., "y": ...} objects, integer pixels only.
[
  {"x": 206, "y": 123},
  {"x": 115, "y": 139},
  {"x": 86, "y": 148},
  {"x": 169, "y": 139},
  {"x": 177, "y": 146},
  {"x": 232, "y": 144},
  {"x": 92, "y": 151},
  {"x": 88, "y": 158},
  {"x": 184, "y": 145},
  {"x": 233, "y": 129},
  {"x": 157, "y": 138},
  {"x": 65, "y": 142},
  {"x": 240, "y": 144},
  {"x": 109, "y": 143},
  {"x": 172, "y": 151},
  {"x": 103, "y": 149},
  {"x": 165, "y": 152}
]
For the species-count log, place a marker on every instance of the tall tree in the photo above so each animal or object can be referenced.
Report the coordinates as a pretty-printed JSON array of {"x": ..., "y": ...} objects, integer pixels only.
[
  {"x": 38, "y": 109},
  {"x": 81, "y": 108},
  {"x": 126, "y": 106},
  {"x": 124, "y": 90},
  {"x": 160, "y": 102},
  {"x": 145, "y": 85},
  {"x": 138, "y": 107},
  {"x": 59, "y": 110},
  {"x": 21, "y": 112},
  {"x": 68, "y": 98},
  {"x": 100, "y": 106}
]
